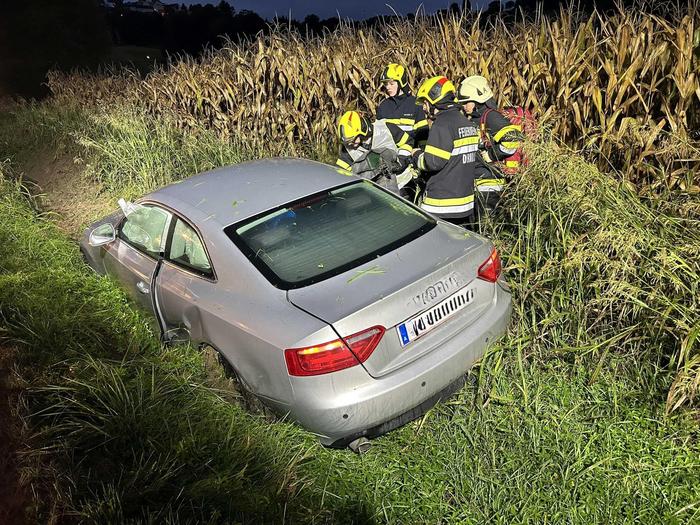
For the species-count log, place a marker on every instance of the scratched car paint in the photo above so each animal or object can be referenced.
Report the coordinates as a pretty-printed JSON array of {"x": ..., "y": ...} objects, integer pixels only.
[{"x": 301, "y": 278}]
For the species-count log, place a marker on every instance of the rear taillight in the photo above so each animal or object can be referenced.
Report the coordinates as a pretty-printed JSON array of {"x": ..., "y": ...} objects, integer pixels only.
[
  {"x": 364, "y": 343},
  {"x": 491, "y": 269},
  {"x": 334, "y": 355}
]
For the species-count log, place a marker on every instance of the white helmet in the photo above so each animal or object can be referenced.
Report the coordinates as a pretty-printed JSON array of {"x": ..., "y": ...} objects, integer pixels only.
[{"x": 474, "y": 89}]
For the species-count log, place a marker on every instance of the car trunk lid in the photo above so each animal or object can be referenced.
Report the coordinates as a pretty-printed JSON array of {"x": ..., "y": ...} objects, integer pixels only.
[{"x": 396, "y": 287}]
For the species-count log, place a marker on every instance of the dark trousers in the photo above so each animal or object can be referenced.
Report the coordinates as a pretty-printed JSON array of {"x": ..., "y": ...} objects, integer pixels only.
[
  {"x": 469, "y": 223},
  {"x": 486, "y": 202}
]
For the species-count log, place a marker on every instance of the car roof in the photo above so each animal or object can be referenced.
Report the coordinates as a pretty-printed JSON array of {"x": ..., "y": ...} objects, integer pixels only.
[{"x": 233, "y": 193}]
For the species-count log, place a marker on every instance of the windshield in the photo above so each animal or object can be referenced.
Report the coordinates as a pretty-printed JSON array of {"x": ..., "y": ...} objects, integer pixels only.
[{"x": 328, "y": 233}]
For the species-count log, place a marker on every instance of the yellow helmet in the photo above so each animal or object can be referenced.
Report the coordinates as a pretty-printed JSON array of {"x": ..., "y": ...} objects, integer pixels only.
[
  {"x": 395, "y": 72},
  {"x": 474, "y": 89},
  {"x": 351, "y": 125},
  {"x": 436, "y": 91}
]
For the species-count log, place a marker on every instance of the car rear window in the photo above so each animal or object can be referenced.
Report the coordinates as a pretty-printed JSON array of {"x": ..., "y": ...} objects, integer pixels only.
[{"x": 322, "y": 235}]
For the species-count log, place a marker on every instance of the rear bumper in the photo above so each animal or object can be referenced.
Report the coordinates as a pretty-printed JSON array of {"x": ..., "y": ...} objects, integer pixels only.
[
  {"x": 404, "y": 418},
  {"x": 345, "y": 405}
]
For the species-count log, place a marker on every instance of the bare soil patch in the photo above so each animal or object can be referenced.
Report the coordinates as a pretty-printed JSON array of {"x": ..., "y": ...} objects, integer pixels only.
[{"x": 64, "y": 189}]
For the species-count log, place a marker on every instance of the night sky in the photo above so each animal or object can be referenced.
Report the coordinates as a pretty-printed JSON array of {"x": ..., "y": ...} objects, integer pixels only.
[{"x": 356, "y": 9}]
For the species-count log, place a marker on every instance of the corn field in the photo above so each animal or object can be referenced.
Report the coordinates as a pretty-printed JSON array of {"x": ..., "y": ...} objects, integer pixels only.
[{"x": 625, "y": 88}]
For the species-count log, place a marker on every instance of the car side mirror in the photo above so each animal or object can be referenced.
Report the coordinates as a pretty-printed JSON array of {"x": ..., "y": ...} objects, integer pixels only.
[{"x": 103, "y": 234}]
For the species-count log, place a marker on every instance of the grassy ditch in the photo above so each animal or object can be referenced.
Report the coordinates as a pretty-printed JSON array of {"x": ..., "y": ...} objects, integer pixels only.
[
  {"x": 597, "y": 269},
  {"x": 567, "y": 421}
]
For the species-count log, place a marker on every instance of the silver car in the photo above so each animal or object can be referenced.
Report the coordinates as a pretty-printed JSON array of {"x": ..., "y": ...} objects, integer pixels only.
[{"x": 333, "y": 300}]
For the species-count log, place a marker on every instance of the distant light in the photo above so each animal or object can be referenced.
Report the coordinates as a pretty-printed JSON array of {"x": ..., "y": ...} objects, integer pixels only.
[{"x": 148, "y": 56}]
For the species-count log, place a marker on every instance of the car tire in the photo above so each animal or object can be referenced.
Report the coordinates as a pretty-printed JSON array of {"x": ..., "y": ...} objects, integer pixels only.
[{"x": 245, "y": 397}]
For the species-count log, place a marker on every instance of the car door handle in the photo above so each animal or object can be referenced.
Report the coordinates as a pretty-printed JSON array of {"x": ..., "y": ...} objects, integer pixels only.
[{"x": 143, "y": 287}]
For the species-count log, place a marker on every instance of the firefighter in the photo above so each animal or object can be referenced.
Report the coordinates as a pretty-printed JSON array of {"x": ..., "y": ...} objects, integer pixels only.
[
  {"x": 449, "y": 159},
  {"x": 400, "y": 106},
  {"x": 500, "y": 138},
  {"x": 378, "y": 151}
]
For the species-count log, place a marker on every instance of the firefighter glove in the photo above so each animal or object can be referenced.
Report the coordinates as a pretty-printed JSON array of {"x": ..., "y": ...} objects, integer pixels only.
[
  {"x": 415, "y": 157},
  {"x": 402, "y": 162},
  {"x": 485, "y": 155}
]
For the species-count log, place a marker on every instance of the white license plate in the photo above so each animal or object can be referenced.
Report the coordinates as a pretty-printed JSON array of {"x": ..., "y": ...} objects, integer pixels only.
[{"x": 423, "y": 323}]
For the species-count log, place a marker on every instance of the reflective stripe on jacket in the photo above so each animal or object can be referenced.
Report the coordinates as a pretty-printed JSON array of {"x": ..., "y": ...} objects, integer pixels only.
[
  {"x": 484, "y": 184},
  {"x": 449, "y": 160},
  {"x": 500, "y": 136},
  {"x": 402, "y": 111}
]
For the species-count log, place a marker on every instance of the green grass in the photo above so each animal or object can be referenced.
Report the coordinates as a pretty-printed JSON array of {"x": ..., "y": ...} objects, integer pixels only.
[
  {"x": 566, "y": 423},
  {"x": 597, "y": 271},
  {"x": 132, "y": 154},
  {"x": 133, "y": 430},
  {"x": 41, "y": 269},
  {"x": 29, "y": 129}
]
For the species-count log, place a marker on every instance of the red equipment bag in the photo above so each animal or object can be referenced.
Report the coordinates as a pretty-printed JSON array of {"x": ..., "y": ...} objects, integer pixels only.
[{"x": 522, "y": 118}]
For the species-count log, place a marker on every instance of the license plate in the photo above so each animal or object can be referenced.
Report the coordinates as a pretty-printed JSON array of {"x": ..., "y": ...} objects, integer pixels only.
[{"x": 423, "y": 323}]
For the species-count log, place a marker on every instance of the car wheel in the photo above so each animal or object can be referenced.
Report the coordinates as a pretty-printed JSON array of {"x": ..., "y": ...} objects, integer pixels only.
[{"x": 229, "y": 380}]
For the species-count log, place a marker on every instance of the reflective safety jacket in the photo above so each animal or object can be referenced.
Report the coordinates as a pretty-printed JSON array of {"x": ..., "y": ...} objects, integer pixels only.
[
  {"x": 384, "y": 158},
  {"x": 403, "y": 111},
  {"x": 501, "y": 139},
  {"x": 449, "y": 161}
]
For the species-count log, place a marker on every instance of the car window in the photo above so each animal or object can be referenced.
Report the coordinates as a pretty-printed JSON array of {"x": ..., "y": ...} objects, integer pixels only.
[
  {"x": 325, "y": 234},
  {"x": 146, "y": 229},
  {"x": 186, "y": 249}
]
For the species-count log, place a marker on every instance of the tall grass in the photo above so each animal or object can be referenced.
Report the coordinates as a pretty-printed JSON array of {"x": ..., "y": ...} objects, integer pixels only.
[
  {"x": 28, "y": 130},
  {"x": 599, "y": 270},
  {"x": 36, "y": 262},
  {"x": 133, "y": 153},
  {"x": 624, "y": 87}
]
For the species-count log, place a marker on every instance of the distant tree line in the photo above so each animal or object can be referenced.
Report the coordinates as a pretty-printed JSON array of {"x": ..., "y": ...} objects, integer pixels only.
[{"x": 179, "y": 28}]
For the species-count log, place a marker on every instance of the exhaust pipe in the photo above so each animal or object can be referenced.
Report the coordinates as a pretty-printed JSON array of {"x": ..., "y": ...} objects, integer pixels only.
[{"x": 360, "y": 445}]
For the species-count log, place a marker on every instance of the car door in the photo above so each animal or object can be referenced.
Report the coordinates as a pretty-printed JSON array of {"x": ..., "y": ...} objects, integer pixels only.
[
  {"x": 134, "y": 256},
  {"x": 186, "y": 281}
]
